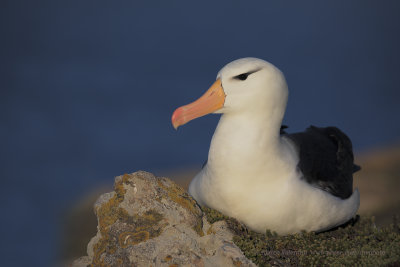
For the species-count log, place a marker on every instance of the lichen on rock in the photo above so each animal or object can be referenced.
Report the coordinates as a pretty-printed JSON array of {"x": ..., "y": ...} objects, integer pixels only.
[{"x": 150, "y": 221}]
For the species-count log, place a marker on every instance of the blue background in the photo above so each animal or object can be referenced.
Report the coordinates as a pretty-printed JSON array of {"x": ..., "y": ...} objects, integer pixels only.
[{"x": 87, "y": 89}]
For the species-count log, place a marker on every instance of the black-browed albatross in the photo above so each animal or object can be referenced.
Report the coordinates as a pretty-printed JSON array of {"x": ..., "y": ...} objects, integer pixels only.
[{"x": 258, "y": 173}]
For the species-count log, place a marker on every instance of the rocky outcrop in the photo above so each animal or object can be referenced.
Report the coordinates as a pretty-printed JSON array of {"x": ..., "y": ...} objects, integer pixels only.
[{"x": 151, "y": 221}]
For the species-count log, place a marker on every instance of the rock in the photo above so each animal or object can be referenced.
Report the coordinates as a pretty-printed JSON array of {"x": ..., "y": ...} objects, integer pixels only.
[{"x": 150, "y": 221}]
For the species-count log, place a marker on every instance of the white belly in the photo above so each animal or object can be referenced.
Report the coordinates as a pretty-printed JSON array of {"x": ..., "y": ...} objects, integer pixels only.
[{"x": 284, "y": 205}]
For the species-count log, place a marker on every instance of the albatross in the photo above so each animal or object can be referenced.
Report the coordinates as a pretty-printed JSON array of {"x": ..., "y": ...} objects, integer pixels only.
[{"x": 258, "y": 173}]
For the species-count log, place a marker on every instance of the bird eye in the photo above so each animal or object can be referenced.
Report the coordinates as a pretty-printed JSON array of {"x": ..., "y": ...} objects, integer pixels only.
[{"x": 242, "y": 76}]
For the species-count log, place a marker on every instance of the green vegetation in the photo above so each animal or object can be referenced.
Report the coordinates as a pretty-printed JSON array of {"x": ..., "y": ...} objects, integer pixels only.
[{"x": 358, "y": 243}]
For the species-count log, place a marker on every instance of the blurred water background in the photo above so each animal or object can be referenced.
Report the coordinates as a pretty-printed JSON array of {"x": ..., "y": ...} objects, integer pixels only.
[{"x": 87, "y": 89}]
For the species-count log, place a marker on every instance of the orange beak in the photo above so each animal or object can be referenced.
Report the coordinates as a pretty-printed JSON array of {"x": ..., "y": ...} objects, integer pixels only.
[{"x": 211, "y": 101}]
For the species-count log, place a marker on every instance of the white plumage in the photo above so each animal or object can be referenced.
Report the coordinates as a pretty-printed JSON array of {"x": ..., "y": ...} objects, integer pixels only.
[{"x": 252, "y": 171}]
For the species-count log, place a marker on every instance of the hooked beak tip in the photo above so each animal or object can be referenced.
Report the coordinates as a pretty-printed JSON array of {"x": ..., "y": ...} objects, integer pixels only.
[{"x": 175, "y": 118}]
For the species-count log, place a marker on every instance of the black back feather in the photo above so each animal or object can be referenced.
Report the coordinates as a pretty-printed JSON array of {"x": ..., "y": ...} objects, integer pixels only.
[{"x": 326, "y": 159}]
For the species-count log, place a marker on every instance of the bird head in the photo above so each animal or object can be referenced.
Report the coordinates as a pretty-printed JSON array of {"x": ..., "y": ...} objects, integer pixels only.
[{"x": 244, "y": 85}]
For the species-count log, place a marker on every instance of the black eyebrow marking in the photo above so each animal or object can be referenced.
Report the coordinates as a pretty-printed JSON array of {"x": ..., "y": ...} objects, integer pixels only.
[
  {"x": 243, "y": 76},
  {"x": 253, "y": 71}
]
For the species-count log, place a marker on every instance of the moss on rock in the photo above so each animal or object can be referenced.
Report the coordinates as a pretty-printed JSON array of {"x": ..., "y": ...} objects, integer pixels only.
[{"x": 359, "y": 242}]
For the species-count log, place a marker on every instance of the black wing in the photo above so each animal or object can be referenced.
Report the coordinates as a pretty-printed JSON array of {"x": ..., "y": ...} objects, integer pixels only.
[
  {"x": 282, "y": 130},
  {"x": 326, "y": 159}
]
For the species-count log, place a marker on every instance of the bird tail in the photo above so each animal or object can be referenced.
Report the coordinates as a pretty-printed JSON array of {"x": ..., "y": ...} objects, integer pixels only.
[{"x": 356, "y": 168}]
